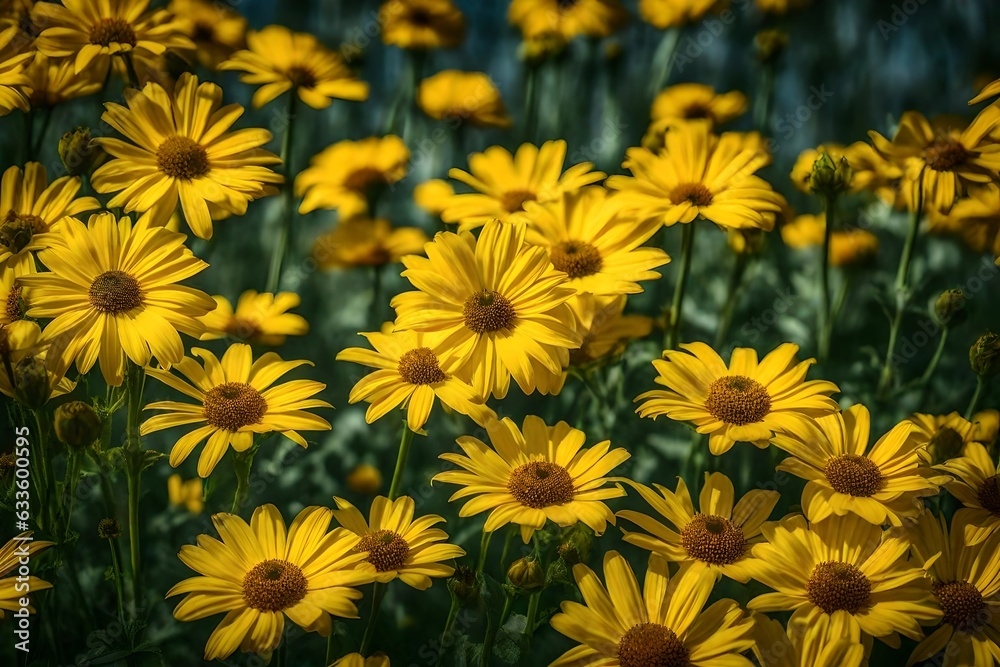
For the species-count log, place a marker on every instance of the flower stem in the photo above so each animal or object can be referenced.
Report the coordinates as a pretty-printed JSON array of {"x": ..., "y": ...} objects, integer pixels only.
[
  {"x": 825, "y": 326},
  {"x": 404, "y": 450},
  {"x": 378, "y": 592},
  {"x": 48, "y": 476},
  {"x": 978, "y": 394},
  {"x": 135, "y": 378},
  {"x": 484, "y": 547},
  {"x": 242, "y": 462},
  {"x": 133, "y": 76},
  {"x": 449, "y": 624},
  {"x": 492, "y": 628},
  {"x": 765, "y": 96},
  {"x": 673, "y": 328},
  {"x": 375, "y": 307},
  {"x": 529, "y": 626},
  {"x": 663, "y": 59},
  {"x": 530, "y": 102},
  {"x": 732, "y": 299},
  {"x": 117, "y": 569},
  {"x": 288, "y": 195}
]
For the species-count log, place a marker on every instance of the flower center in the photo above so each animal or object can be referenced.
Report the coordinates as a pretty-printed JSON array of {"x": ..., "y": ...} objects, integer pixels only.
[
  {"x": 513, "y": 200},
  {"x": 14, "y": 307},
  {"x": 962, "y": 604},
  {"x": 387, "y": 550},
  {"x": 112, "y": 31},
  {"x": 16, "y": 230},
  {"x": 946, "y": 444},
  {"x": 989, "y": 495},
  {"x": 540, "y": 484},
  {"x": 697, "y": 110},
  {"x": 713, "y": 539},
  {"x": 274, "y": 585},
  {"x": 363, "y": 178},
  {"x": 694, "y": 193},
  {"x": 420, "y": 366},
  {"x": 576, "y": 258},
  {"x": 835, "y": 586},
  {"x": 420, "y": 18},
  {"x": 301, "y": 76},
  {"x": 182, "y": 158},
  {"x": 115, "y": 292},
  {"x": 243, "y": 328},
  {"x": 652, "y": 645},
  {"x": 945, "y": 154},
  {"x": 233, "y": 405},
  {"x": 488, "y": 311},
  {"x": 737, "y": 400},
  {"x": 854, "y": 475}
]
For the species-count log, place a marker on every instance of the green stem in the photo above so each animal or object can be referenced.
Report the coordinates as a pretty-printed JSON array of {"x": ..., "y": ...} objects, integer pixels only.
[
  {"x": 135, "y": 378},
  {"x": 448, "y": 625},
  {"x": 529, "y": 626},
  {"x": 506, "y": 548},
  {"x": 825, "y": 328},
  {"x": 530, "y": 102},
  {"x": 663, "y": 59},
  {"x": 404, "y": 450},
  {"x": 484, "y": 547},
  {"x": 378, "y": 592},
  {"x": 673, "y": 329},
  {"x": 242, "y": 462},
  {"x": 936, "y": 359},
  {"x": 70, "y": 484},
  {"x": 375, "y": 307},
  {"x": 765, "y": 96},
  {"x": 117, "y": 569},
  {"x": 288, "y": 196},
  {"x": 732, "y": 298},
  {"x": 39, "y": 139},
  {"x": 48, "y": 476},
  {"x": 978, "y": 394},
  {"x": 133, "y": 76},
  {"x": 492, "y": 628}
]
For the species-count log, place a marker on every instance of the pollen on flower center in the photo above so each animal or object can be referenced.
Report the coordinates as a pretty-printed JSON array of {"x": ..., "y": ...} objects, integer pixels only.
[
  {"x": 945, "y": 154},
  {"x": 14, "y": 307},
  {"x": 652, "y": 645},
  {"x": 387, "y": 550},
  {"x": 737, "y": 400},
  {"x": 233, "y": 405},
  {"x": 962, "y": 604},
  {"x": 836, "y": 586},
  {"x": 115, "y": 292},
  {"x": 988, "y": 495},
  {"x": 946, "y": 444},
  {"x": 540, "y": 484},
  {"x": 713, "y": 539},
  {"x": 420, "y": 366},
  {"x": 182, "y": 158},
  {"x": 302, "y": 76},
  {"x": 16, "y": 230},
  {"x": 274, "y": 585},
  {"x": 513, "y": 200},
  {"x": 854, "y": 475},
  {"x": 112, "y": 31},
  {"x": 576, "y": 258},
  {"x": 694, "y": 193},
  {"x": 488, "y": 311}
]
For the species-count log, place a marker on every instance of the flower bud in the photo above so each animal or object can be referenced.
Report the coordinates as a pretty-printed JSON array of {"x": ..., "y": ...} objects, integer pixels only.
[
  {"x": 31, "y": 382},
  {"x": 365, "y": 479},
  {"x": 77, "y": 424},
  {"x": 948, "y": 309},
  {"x": 463, "y": 584},
  {"x": 770, "y": 44},
  {"x": 78, "y": 153},
  {"x": 526, "y": 574},
  {"x": 569, "y": 553},
  {"x": 984, "y": 355},
  {"x": 109, "y": 529},
  {"x": 829, "y": 178}
]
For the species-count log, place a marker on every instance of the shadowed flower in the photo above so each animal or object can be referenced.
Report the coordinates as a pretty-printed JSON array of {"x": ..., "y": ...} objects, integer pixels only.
[
  {"x": 458, "y": 96},
  {"x": 52, "y": 81},
  {"x": 189, "y": 494},
  {"x": 216, "y": 30},
  {"x": 14, "y": 83},
  {"x": 975, "y": 219},
  {"x": 422, "y": 24},
  {"x": 21, "y": 342},
  {"x": 258, "y": 318},
  {"x": 871, "y": 171},
  {"x": 433, "y": 196},
  {"x": 976, "y": 485},
  {"x": 12, "y": 589},
  {"x": 692, "y": 101},
  {"x": 358, "y": 660},
  {"x": 946, "y": 436},
  {"x": 567, "y": 18},
  {"x": 361, "y": 241},
  {"x": 605, "y": 329},
  {"x": 663, "y": 14}
]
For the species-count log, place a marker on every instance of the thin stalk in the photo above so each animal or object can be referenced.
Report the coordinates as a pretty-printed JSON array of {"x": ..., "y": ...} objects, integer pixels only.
[
  {"x": 375, "y": 307},
  {"x": 529, "y": 626},
  {"x": 70, "y": 484},
  {"x": 492, "y": 628},
  {"x": 448, "y": 625},
  {"x": 663, "y": 60},
  {"x": 288, "y": 196},
  {"x": 404, "y": 450},
  {"x": 673, "y": 329},
  {"x": 135, "y": 379},
  {"x": 242, "y": 462},
  {"x": 416, "y": 73},
  {"x": 48, "y": 476},
  {"x": 117, "y": 569},
  {"x": 765, "y": 96},
  {"x": 530, "y": 102},
  {"x": 39, "y": 139},
  {"x": 825, "y": 326},
  {"x": 484, "y": 547},
  {"x": 378, "y": 592},
  {"x": 133, "y": 76},
  {"x": 978, "y": 394},
  {"x": 936, "y": 359},
  {"x": 732, "y": 298}
]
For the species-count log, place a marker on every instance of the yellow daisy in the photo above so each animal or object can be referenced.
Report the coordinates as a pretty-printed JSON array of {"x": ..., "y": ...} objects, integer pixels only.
[
  {"x": 111, "y": 289},
  {"x": 282, "y": 60},
  {"x": 411, "y": 375},
  {"x": 53, "y": 81},
  {"x": 829, "y": 641},
  {"x": 396, "y": 544},
  {"x": 216, "y": 30},
  {"x": 433, "y": 196},
  {"x": 182, "y": 152},
  {"x": 358, "y": 660},
  {"x": 12, "y": 588},
  {"x": 946, "y": 436},
  {"x": 362, "y": 241},
  {"x": 258, "y": 318},
  {"x": 422, "y": 24},
  {"x": 189, "y": 494},
  {"x": 663, "y": 14},
  {"x": 719, "y": 536},
  {"x": 21, "y": 343},
  {"x": 605, "y": 328},
  {"x": 458, "y": 96},
  {"x": 689, "y": 101},
  {"x": 847, "y": 246},
  {"x": 260, "y": 573},
  {"x": 663, "y": 623},
  {"x": 15, "y": 85},
  {"x": 504, "y": 182},
  {"x": 235, "y": 399},
  {"x": 974, "y": 218},
  {"x": 746, "y": 402},
  {"x": 593, "y": 18},
  {"x": 496, "y": 303},
  {"x": 976, "y": 485},
  {"x": 538, "y": 476}
]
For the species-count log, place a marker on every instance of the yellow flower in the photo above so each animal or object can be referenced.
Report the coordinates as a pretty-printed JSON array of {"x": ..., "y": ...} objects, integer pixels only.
[
  {"x": 663, "y": 623},
  {"x": 12, "y": 588},
  {"x": 975, "y": 219},
  {"x": 14, "y": 82},
  {"x": 433, "y": 195},
  {"x": 496, "y": 304},
  {"x": 455, "y": 95},
  {"x": 344, "y": 175},
  {"x": 358, "y": 660},
  {"x": 663, "y": 14},
  {"x": 592, "y": 18},
  {"x": 689, "y": 101},
  {"x": 111, "y": 289},
  {"x": 746, "y": 402},
  {"x": 976, "y": 485},
  {"x": 946, "y": 436},
  {"x": 216, "y": 30},
  {"x": 987, "y": 423},
  {"x": 719, "y": 536},
  {"x": 13, "y": 297},
  {"x": 411, "y": 375},
  {"x": 258, "y": 318},
  {"x": 258, "y": 574},
  {"x": 827, "y": 641},
  {"x": 52, "y": 81},
  {"x": 871, "y": 170},
  {"x": 422, "y": 24},
  {"x": 361, "y": 241},
  {"x": 190, "y": 494},
  {"x": 397, "y": 545},
  {"x": 283, "y": 60},
  {"x": 538, "y": 476},
  {"x": 605, "y": 329},
  {"x": 991, "y": 89},
  {"x": 847, "y": 247},
  {"x": 22, "y": 341},
  {"x": 365, "y": 479},
  {"x": 504, "y": 182},
  {"x": 235, "y": 398},
  {"x": 780, "y": 6}
]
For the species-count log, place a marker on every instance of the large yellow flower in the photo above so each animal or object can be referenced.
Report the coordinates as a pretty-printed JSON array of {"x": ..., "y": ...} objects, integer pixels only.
[
  {"x": 111, "y": 289},
  {"x": 827, "y": 641},
  {"x": 14, "y": 83},
  {"x": 362, "y": 241},
  {"x": 12, "y": 588},
  {"x": 422, "y": 24},
  {"x": 538, "y": 476},
  {"x": 458, "y": 96},
  {"x": 182, "y": 151},
  {"x": 216, "y": 30},
  {"x": 947, "y": 436},
  {"x": 746, "y": 402},
  {"x": 496, "y": 304},
  {"x": 260, "y": 573},
  {"x": 663, "y": 14},
  {"x": 593, "y": 18},
  {"x": 663, "y": 623},
  {"x": 605, "y": 328},
  {"x": 504, "y": 182},
  {"x": 977, "y": 486},
  {"x": 236, "y": 398},
  {"x": 258, "y": 318},
  {"x": 53, "y": 81},
  {"x": 691, "y": 101},
  {"x": 21, "y": 342}
]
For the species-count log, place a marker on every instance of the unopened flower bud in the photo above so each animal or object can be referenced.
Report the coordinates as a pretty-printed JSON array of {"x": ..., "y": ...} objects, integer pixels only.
[
  {"x": 829, "y": 178},
  {"x": 770, "y": 44},
  {"x": 77, "y": 424},
  {"x": 365, "y": 479},
  {"x": 948, "y": 308},
  {"x": 984, "y": 355},
  {"x": 526, "y": 574},
  {"x": 109, "y": 529},
  {"x": 78, "y": 152},
  {"x": 31, "y": 382},
  {"x": 569, "y": 553},
  {"x": 463, "y": 584},
  {"x": 15, "y": 232}
]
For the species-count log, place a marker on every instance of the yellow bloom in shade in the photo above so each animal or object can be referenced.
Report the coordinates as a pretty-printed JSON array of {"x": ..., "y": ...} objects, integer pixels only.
[
  {"x": 362, "y": 241},
  {"x": 605, "y": 329},
  {"x": 397, "y": 545},
  {"x": 780, "y": 6},
  {"x": 588, "y": 239},
  {"x": 829, "y": 641},
  {"x": 258, "y": 318},
  {"x": 472, "y": 97},
  {"x": 746, "y": 402},
  {"x": 30, "y": 206},
  {"x": 14, "y": 83},
  {"x": 843, "y": 567},
  {"x": 365, "y": 479},
  {"x": 991, "y": 89},
  {"x": 91, "y": 31},
  {"x": 718, "y": 536},
  {"x": 987, "y": 423},
  {"x": 433, "y": 195},
  {"x": 13, "y": 297},
  {"x": 260, "y": 573},
  {"x": 975, "y": 219},
  {"x": 804, "y": 231},
  {"x": 12, "y": 587},
  {"x": 966, "y": 585},
  {"x": 691, "y": 101},
  {"x": 847, "y": 247},
  {"x": 946, "y": 436},
  {"x": 540, "y": 475},
  {"x": 496, "y": 303},
  {"x": 663, "y": 623},
  {"x": 976, "y": 485},
  {"x": 699, "y": 174},
  {"x": 358, "y": 660},
  {"x": 235, "y": 398},
  {"x": 53, "y": 81},
  {"x": 111, "y": 289},
  {"x": 216, "y": 30},
  {"x": 422, "y": 24},
  {"x": 22, "y": 340},
  {"x": 411, "y": 375},
  {"x": 593, "y": 18},
  {"x": 344, "y": 175},
  {"x": 871, "y": 170},
  {"x": 282, "y": 60},
  {"x": 882, "y": 485},
  {"x": 183, "y": 152},
  {"x": 663, "y": 14},
  {"x": 504, "y": 182},
  {"x": 189, "y": 494}
]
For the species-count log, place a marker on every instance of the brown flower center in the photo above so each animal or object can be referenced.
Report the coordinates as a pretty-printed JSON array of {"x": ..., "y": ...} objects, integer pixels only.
[
  {"x": 576, "y": 258},
  {"x": 363, "y": 178},
  {"x": 946, "y": 444},
  {"x": 695, "y": 193},
  {"x": 697, "y": 110},
  {"x": 243, "y": 328},
  {"x": 652, "y": 645},
  {"x": 182, "y": 158},
  {"x": 836, "y": 586},
  {"x": 387, "y": 550},
  {"x": 302, "y": 77},
  {"x": 274, "y": 585},
  {"x": 420, "y": 366},
  {"x": 540, "y": 484},
  {"x": 14, "y": 306},
  {"x": 854, "y": 475},
  {"x": 16, "y": 230},
  {"x": 513, "y": 200},
  {"x": 962, "y": 604},
  {"x": 112, "y": 31},
  {"x": 233, "y": 405},
  {"x": 421, "y": 18},
  {"x": 488, "y": 311},
  {"x": 115, "y": 292},
  {"x": 945, "y": 154},
  {"x": 737, "y": 400},
  {"x": 713, "y": 539},
  {"x": 989, "y": 495}
]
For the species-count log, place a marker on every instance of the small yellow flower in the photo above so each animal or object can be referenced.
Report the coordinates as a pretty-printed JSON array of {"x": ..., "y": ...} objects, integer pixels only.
[
  {"x": 53, "y": 81},
  {"x": 358, "y": 660},
  {"x": 22, "y": 341},
  {"x": 14, "y": 82},
  {"x": 361, "y": 241},
  {"x": 780, "y": 6},
  {"x": 663, "y": 14},
  {"x": 976, "y": 485},
  {"x": 422, "y": 24},
  {"x": 459, "y": 96},
  {"x": 433, "y": 196},
  {"x": 14, "y": 299},
  {"x": 847, "y": 247},
  {"x": 974, "y": 218},
  {"x": 605, "y": 328},
  {"x": 258, "y": 318},
  {"x": 189, "y": 494},
  {"x": 592, "y": 18},
  {"x": 690, "y": 101},
  {"x": 216, "y": 30},
  {"x": 365, "y": 479}
]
